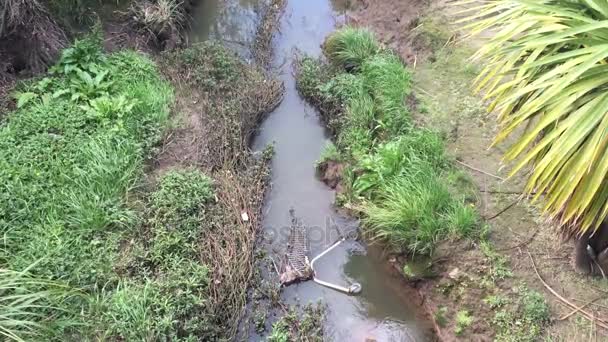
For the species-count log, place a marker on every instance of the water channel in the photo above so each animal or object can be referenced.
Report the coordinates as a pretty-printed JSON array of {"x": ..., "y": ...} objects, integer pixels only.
[{"x": 383, "y": 311}]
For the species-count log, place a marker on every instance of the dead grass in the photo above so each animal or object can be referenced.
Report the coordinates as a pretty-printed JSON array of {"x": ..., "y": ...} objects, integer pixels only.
[
  {"x": 262, "y": 47},
  {"x": 29, "y": 37}
]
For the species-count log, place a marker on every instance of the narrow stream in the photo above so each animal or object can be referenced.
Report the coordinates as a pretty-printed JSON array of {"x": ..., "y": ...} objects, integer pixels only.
[{"x": 383, "y": 311}]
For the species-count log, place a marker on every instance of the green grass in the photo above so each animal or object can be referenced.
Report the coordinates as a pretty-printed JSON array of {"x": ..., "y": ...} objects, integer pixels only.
[
  {"x": 166, "y": 293},
  {"x": 349, "y": 47},
  {"x": 70, "y": 155},
  {"x": 525, "y": 321},
  {"x": 463, "y": 321},
  {"x": 399, "y": 176}
]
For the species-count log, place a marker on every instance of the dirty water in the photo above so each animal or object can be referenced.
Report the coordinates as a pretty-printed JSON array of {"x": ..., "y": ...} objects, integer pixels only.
[{"x": 383, "y": 311}]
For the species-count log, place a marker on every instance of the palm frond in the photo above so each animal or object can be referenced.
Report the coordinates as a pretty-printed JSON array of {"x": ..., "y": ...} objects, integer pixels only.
[{"x": 547, "y": 72}]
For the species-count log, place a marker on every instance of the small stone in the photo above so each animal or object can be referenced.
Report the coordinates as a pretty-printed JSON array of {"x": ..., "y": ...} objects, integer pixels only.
[
  {"x": 454, "y": 274},
  {"x": 244, "y": 216}
]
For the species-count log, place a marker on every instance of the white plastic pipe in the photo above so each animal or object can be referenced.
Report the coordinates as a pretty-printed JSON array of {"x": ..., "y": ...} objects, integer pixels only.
[{"x": 353, "y": 289}]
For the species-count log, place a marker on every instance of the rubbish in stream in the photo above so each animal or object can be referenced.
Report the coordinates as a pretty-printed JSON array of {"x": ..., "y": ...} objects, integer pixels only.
[{"x": 298, "y": 268}]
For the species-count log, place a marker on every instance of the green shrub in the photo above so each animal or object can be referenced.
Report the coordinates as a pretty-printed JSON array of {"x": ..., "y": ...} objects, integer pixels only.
[{"x": 349, "y": 47}]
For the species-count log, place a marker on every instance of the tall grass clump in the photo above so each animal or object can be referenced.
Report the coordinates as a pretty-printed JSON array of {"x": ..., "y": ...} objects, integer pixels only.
[
  {"x": 70, "y": 155},
  {"x": 397, "y": 174},
  {"x": 25, "y": 302},
  {"x": 349, "y": 47}
]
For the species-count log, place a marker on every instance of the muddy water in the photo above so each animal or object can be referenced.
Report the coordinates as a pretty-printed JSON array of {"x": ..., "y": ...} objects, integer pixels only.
[{"x": 383, "y": 311}]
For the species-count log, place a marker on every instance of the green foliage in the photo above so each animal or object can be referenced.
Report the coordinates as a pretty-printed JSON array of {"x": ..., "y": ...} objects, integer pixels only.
[
  {"x": 547, "y": 80},
  {"x": 167, "y": 296},
  {"x": 499, "y": 268},
  {"x": 410, "y": 205},
  {"x": 209, "y": 65},
  {"x": 415, "y": 211},
  {"x": 23, "y": 299},
  {"x": 526, "y": 321},
  {"x": 463, "y": 321},
  {"x": 294, "y": 326},
  {"x": 388, "y": 82},
  {"x": 329, "y": 153},
  {"x": 496, "y": 301},
  {"x": 67, "y": 162},
  {"x": 440, "y": 316},
  {"x": 398, "y": 171},
  {"x": 349, "y": 47}
]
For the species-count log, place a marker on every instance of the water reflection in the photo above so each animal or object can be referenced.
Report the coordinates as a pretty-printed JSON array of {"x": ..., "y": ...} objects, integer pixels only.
[{"x": 231, "y": 21}]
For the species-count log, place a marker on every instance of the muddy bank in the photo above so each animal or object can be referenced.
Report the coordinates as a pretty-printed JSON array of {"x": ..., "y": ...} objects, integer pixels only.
[{"x": 492, "y": 288}]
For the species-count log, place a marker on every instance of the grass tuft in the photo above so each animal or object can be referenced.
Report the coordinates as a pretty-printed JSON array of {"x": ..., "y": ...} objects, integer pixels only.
[{"x": 349, "y": 47}]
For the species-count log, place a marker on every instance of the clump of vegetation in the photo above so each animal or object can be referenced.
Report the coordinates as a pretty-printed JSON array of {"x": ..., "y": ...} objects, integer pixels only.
[
  {"x": 69, "y": 155},
  {"x": 23, "y": 299},
  {"x": 329, "y": 153},
  {"x": 349, "y": 47},
  {"x": 307, "y": 326},
  {"x": 499, "y": 268},
  {"x": 238, "y": 94},
  {"x": 525, "y": 322},
  {"x": 397, "y": 174},
  {"x": 161, "y": 20},
  {"x": 167, "y": 294},
  {"x": 463, "y": 321},
  {"x": 440, "y": 316}
]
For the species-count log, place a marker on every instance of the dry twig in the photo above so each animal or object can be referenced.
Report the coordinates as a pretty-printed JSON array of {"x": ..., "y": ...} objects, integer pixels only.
[{"x": 600, "y": 322}]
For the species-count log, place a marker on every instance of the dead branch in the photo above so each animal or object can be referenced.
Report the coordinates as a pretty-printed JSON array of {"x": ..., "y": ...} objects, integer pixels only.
[
  {"x": 600, "y": 322},
  {"x": 479, "y": 170}
]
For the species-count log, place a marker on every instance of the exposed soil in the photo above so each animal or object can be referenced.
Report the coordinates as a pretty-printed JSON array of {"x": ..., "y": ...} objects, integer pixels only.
[
  {"x": 330, "y": 173},
  {"x": 522, "y": 242},
  {"x": 392, "y": 21}
]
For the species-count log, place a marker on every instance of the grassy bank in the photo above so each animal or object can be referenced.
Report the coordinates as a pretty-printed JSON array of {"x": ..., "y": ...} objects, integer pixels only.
[
  {"x": 398, "y": 177},
  {"x": 71, "y": 155},
  {"x": 119, "y": 221}
]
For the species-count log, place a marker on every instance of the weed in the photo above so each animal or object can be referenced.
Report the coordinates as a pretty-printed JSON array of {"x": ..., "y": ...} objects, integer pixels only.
[
  {"x": 440, "y": 316},
  {"x": 526, "y": 321},
  {"x": 499, "y": 269},
  {"x": 23, "y": 299},
  {"x": 349, "y": 47},
  {"x": 294, "y": 326},
  {"x": 463, "y": 321},
  {"x": 496, "y": 301},
  {"x": 407, "y": 271},
  {"x": 159, "y": 18},
  {"x": 259, "y": 321},
  {"x": 397, "y": 172},
  {"x": 167, "y": 296}
]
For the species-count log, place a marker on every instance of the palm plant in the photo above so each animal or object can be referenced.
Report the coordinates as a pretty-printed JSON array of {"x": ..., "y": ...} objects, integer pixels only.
[{"x": 546, "y": 74}]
